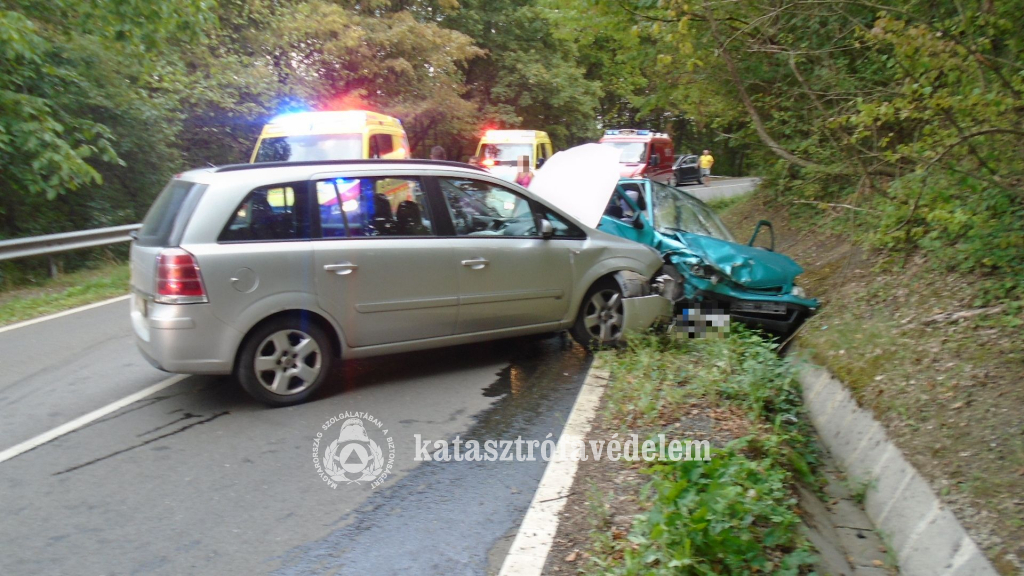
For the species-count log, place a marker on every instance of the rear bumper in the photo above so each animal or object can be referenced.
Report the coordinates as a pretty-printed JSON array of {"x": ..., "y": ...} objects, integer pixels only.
[{"x": 183, "y": 338}]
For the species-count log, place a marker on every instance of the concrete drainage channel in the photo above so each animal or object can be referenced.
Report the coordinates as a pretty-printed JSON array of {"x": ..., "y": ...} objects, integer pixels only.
[{"x": 924, "y": 535}]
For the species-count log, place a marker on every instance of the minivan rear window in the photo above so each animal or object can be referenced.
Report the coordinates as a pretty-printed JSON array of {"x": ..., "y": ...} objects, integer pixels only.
[{"x": 167, "y": 216}]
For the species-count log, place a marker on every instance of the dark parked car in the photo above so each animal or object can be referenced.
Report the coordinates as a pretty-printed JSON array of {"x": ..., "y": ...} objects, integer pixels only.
[{"x": 685, "y": 170}]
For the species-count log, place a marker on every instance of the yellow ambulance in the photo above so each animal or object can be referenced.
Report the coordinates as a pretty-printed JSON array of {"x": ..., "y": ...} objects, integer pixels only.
[
  {"x": 499, "y": 150},
  {"x": 342, "y": 135}
]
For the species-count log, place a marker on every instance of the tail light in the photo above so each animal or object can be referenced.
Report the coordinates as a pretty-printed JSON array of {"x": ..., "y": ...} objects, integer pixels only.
[
  {"x": 488, "y": 162},
  {"x": 178, "y": 280}
]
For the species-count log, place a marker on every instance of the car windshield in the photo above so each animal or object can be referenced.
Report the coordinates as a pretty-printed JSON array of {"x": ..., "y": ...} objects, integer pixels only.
[
  {"x": 311, "y": 148},
  {"x": 506, "y": 154},
  {"x": 674, "y": 210},
  {"x": 629, "y": 151}
]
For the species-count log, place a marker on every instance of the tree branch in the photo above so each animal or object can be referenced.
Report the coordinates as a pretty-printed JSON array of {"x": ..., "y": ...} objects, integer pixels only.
[{"x": 755, "y": 118}]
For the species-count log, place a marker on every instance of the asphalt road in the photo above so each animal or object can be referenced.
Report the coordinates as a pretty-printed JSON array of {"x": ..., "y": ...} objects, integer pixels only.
[
  {"x": 720, "y": 188},
  {"x": 200, "y": 479}
]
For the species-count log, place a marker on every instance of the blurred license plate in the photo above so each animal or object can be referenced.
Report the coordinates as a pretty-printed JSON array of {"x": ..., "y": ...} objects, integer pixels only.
[
  {"x": 706, "y": 322},
  {"x": 762, "y": 307},
  {"x": 141, "y": 305}
]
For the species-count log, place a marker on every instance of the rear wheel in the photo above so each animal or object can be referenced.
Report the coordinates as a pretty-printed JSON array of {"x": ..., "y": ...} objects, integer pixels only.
[
  {"x": 601, "y": 318},
  {"x": 285, "y": 361},
  {"x": 700, "y": 180}
]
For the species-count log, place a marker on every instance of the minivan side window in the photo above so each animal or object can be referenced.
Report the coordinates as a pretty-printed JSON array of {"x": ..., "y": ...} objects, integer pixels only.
[
  {"x": 371, "y": 207},
  {"x": 484, "y": 209},
  {"x": 171, "y": 208},
  {"x": 269, "y": 213},
  {"x": 331, "y": 206}
]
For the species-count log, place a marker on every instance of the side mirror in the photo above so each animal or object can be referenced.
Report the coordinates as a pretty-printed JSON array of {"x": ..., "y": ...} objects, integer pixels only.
[
  {"x": 655, "y": 160},
  {"x": 757, "y": 229},
  {"x": 546, "y": 230},
  {"x": 638, "y": 221},
  {"x": 540, "y": 162},
  {"x": 134, "y": 235}
]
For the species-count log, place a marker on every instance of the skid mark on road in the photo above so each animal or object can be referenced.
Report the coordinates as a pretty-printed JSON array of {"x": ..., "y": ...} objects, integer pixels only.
[
  {"x": 53, "y": 434},
  {"x": 185, "y": 416},
  {"x": 141, "y": 444}
]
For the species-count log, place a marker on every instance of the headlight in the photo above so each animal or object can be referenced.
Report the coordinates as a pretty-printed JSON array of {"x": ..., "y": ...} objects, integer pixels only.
[
  {"x": 701, "y": 271},
  {"x": 799, "y": 292},
  {"x": 706, "y": 272}
]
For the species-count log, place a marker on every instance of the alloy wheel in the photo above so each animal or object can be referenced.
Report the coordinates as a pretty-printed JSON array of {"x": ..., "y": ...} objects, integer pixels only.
[
  {"x": 287, "y": 362},
  {"x": 603, "y": 317}
]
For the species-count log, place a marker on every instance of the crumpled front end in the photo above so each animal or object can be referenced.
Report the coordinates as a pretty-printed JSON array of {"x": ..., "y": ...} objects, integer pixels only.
[{"x": 756, "y": 287}]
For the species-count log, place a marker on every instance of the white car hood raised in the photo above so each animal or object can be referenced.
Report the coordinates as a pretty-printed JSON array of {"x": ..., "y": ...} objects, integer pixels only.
[{"x": 579, "y": 181}]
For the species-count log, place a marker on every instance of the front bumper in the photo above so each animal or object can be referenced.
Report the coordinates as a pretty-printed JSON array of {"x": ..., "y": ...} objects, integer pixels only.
[
  {"x": 642, "y": 312},
  {"x": 183, "y": 338},
  {"x": 774, "y": 316}
]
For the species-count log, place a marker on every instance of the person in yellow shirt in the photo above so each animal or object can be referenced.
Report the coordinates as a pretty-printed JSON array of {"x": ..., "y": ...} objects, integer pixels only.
[{"x": 706, "y": 161}]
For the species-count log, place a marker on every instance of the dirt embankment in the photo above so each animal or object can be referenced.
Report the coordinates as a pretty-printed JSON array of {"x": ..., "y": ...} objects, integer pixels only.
[{"x": 941, "y": 372}]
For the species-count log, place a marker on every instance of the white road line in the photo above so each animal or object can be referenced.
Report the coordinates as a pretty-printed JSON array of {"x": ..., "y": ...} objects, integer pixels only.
[
  {"x": 64, "y": 313},
  {"x": 530, "y": 549},
  {"x": 90, "y": 417}
]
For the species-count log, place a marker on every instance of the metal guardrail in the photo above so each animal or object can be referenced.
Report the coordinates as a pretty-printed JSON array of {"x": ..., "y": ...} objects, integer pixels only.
[{"x": 55, "y": 243}]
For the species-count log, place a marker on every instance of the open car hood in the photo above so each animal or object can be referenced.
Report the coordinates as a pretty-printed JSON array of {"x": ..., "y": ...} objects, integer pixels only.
[
  {"x": 747, "y": 266},
  {"x": 579, "y": 181}
]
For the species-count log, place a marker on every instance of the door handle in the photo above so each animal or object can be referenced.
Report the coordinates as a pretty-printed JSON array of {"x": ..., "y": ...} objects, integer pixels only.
[
  {"x": 476, "y": 263},
  {"x": 341, "y": 268}
]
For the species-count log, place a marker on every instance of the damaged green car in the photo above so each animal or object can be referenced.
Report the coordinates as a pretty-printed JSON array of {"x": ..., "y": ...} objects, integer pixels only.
[{"x": 706, "y": 268}]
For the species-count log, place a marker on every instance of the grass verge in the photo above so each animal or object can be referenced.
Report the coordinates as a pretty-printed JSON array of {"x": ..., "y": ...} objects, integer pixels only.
[
  {"x": 736, "y": 511},
  {"x": 66, "y": 291}
]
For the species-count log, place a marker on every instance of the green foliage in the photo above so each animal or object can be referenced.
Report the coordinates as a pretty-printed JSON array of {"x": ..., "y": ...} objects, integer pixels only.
[
  {"x": 735, "y": 513},
  {"x": 44, "y": 145},
  {"x": 729, "y": 515},
  {"x": 912, "y": 110},
  {"x": 101, "y": 102},
  {"x": 970, "y": 225}
]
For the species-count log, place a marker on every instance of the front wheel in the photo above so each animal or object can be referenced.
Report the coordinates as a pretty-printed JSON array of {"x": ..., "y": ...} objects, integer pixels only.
[
  {"x": 285, "y": 361},
  {"x": 601, "y": 318}
]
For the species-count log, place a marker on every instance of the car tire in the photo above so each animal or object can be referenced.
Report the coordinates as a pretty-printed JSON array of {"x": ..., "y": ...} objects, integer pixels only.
[
  {"x": 285, "y": 361},
  {"x": 700, "y": 180},
  {"x": 601, "y": 317}
]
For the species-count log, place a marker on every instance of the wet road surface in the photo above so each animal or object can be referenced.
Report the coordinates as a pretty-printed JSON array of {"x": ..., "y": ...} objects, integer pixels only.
[{"x": 198, "y": 478}]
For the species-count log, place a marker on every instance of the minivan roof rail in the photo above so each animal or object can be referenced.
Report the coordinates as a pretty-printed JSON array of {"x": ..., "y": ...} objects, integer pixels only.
[{"x": 439, "y": 163}]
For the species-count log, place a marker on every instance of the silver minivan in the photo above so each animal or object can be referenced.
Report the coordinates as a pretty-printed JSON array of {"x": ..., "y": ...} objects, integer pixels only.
[{"x": 275, "y": 272}]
